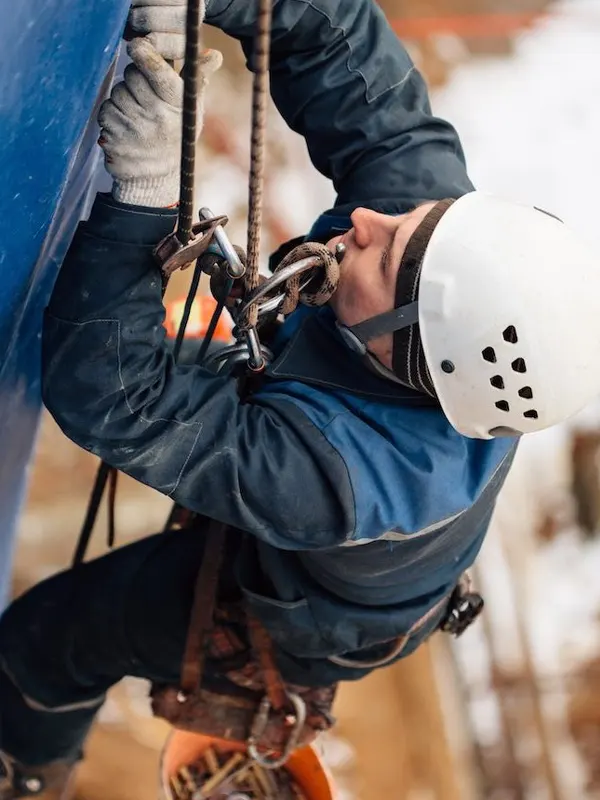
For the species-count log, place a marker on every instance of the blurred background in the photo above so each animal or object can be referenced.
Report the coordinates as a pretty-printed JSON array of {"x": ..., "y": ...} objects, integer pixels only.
[{"x": 511, "y": 711}]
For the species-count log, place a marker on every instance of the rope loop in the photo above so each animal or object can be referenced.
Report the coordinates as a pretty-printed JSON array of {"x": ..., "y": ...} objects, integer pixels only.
[{"x": 321, "y": 287}]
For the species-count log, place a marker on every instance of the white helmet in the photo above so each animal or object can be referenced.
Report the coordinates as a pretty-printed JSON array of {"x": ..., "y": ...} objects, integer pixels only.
[{"x": 509, "y": 316}]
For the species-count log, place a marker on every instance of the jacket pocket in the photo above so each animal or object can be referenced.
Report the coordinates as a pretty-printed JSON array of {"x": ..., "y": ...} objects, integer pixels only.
[{"x": 291, "y": 625}]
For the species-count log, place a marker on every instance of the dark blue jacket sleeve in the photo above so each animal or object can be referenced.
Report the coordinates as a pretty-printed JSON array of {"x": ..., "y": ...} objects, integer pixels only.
[
  {"x": 341, "y": 78},
  {"x": 111, "y": 383}
]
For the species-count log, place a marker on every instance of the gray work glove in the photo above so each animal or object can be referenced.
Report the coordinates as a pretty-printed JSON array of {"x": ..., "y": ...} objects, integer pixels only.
[
  {"x": 163, "y": 22},
  {"x": 141, "y": 126}
]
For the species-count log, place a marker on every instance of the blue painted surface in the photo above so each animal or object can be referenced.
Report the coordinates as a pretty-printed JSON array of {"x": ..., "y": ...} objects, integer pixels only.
[{"x": 56, "y": 56}]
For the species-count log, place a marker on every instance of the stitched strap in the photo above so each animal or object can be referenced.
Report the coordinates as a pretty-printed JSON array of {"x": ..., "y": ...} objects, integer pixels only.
[
  {"x": 203, "y": 608},
  {"x": 263, "y": 649}
]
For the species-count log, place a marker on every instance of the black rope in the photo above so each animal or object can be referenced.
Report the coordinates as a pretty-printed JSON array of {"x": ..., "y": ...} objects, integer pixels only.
[
  {"x": 189, "y": 122},
  {"x": 214, "y": 321},
  {"x": 187, "y": 310},
  {"x": 113, "y": 478},
  {"x": 91, "y": 513}
]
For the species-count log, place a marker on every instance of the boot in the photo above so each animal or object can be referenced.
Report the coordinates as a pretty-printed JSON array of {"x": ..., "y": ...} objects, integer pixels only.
[{"x": 52, "y": 781}]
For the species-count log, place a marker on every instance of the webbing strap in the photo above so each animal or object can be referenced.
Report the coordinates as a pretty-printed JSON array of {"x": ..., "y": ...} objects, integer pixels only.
[
  {"x": 263, "y": 650},
  {"x": 203, "y": 607}
]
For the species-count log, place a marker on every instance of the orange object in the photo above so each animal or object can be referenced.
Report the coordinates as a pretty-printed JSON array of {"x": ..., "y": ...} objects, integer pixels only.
[
  {"x": 490, "y": 24},
  {"x": 201, "y": 313},
  {"x": 182, "y": 748}
]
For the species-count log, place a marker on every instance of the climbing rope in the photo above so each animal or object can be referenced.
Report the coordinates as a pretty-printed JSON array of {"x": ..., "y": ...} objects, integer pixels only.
[
  {"x": 260, "y": 96},
  {"x": 320, "y": 287},
  {"x": 189, "y": 122}
]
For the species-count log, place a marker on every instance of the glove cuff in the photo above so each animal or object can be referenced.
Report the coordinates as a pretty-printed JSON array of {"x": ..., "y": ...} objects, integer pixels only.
[{"x": 151, "y": 192}]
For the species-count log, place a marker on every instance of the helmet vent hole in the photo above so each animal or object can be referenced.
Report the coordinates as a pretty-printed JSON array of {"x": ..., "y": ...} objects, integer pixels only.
[
  {"x": 502, "y": 405},
  {"x": 531, "y": 414},
  {"x": 519, "y": 365},
  {"x": 510, "y": 334},
  {"x": 489, "y": 354},
  {"x": 497, "y": 382},
  {"x": 526, "y": 392}
]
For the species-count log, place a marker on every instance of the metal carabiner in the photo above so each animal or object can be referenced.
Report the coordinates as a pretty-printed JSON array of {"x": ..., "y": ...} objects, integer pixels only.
[
  {"x": 235, "y": 267},
  {"x": 256, "y": 361},
  {"x": 233, "y": 354},
  {"x": 259, "y": 725},
  {"x": 278, "y": 278}
]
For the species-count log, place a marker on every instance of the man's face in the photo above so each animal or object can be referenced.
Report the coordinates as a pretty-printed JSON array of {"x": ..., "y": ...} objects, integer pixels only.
[{"x": 368, "y": 272}]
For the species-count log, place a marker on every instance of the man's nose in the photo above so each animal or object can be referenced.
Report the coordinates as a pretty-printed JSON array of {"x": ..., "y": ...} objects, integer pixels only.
[
  {"x": 369, "y": 226},
  {"x": 363, "y": 215}
]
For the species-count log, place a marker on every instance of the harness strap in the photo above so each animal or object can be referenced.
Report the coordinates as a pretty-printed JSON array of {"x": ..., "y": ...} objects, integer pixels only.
[
  {"x": 203, "y": 608},
  {"x": 263, "y": 649}
]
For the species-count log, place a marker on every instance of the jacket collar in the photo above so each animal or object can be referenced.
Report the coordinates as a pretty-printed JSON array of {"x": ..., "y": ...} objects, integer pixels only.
[{"x": 316, "y": 354}]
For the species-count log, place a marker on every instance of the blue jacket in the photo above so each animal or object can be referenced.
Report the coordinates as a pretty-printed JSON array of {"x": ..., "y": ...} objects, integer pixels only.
[{"x": 362, "y": 503}]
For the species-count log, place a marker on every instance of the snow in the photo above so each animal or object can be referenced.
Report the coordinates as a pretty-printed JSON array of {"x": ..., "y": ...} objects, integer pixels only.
[
  {"x": 529, "y": 123},
  {"x": 529, "y": 126}
]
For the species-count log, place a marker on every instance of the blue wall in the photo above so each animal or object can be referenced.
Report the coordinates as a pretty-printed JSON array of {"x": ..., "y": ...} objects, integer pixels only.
[{"x": 55, "y": 60}]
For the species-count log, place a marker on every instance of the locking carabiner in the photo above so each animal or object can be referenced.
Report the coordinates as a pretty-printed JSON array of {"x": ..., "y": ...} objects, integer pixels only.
[{"x": 259, "y": 725}]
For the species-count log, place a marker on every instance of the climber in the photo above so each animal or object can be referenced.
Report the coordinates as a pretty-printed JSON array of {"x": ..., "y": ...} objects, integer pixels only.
[{"x": 358, "y": 480}]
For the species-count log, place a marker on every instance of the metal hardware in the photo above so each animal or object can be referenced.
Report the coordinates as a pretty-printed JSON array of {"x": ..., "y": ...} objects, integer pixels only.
[
  {"x": 397, "y": 647},
  {"x": 260, "y": 724},
  {"x": 234, "y": 354},
  {"x": 235, "y": 267},
  {"x": 256, "y": 362},
  {"x": 463, "y": 610},
  {"x": 171, "y": 254},
  {"x": 282, "y": 276},
  {"x": 340, "y": 252}
]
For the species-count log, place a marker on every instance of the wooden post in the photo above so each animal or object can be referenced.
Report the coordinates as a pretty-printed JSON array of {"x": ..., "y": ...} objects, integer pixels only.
[
  {"x": 508, "y": 727},
  {"x": 395, "y": 723},
  {"x": 548, "y": 766}
]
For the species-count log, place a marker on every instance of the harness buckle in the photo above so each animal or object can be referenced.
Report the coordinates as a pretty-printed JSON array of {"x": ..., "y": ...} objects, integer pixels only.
[
  {"x": 295, "y": 721},
  {"x": 463, "y": 609}
]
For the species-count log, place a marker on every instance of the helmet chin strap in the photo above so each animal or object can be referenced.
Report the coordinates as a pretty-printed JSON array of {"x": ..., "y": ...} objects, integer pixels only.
[
  {"x": 357, "y": 336},
  {"x": 388, "y": 322},
  {"x": 408, "y": 358}
]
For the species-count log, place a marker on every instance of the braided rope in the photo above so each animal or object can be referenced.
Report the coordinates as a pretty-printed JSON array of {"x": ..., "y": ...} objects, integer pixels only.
[
  {"x": 189, "y": 122},
  {"x": 315, "y": 294},
  {"x": 260, "y": 94}
]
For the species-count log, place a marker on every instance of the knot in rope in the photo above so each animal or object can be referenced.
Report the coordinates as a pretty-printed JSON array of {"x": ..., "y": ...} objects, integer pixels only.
[{"x": 321, "y": 287}]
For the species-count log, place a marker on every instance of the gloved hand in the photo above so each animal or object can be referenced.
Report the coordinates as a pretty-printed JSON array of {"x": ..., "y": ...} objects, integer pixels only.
[
  {"x": 141, "y": 126},
  {"x": 163, "y": 22}
]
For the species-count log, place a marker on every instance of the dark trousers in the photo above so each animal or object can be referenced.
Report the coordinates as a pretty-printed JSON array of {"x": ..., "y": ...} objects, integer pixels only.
[{"x": 69, "y": 639}]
